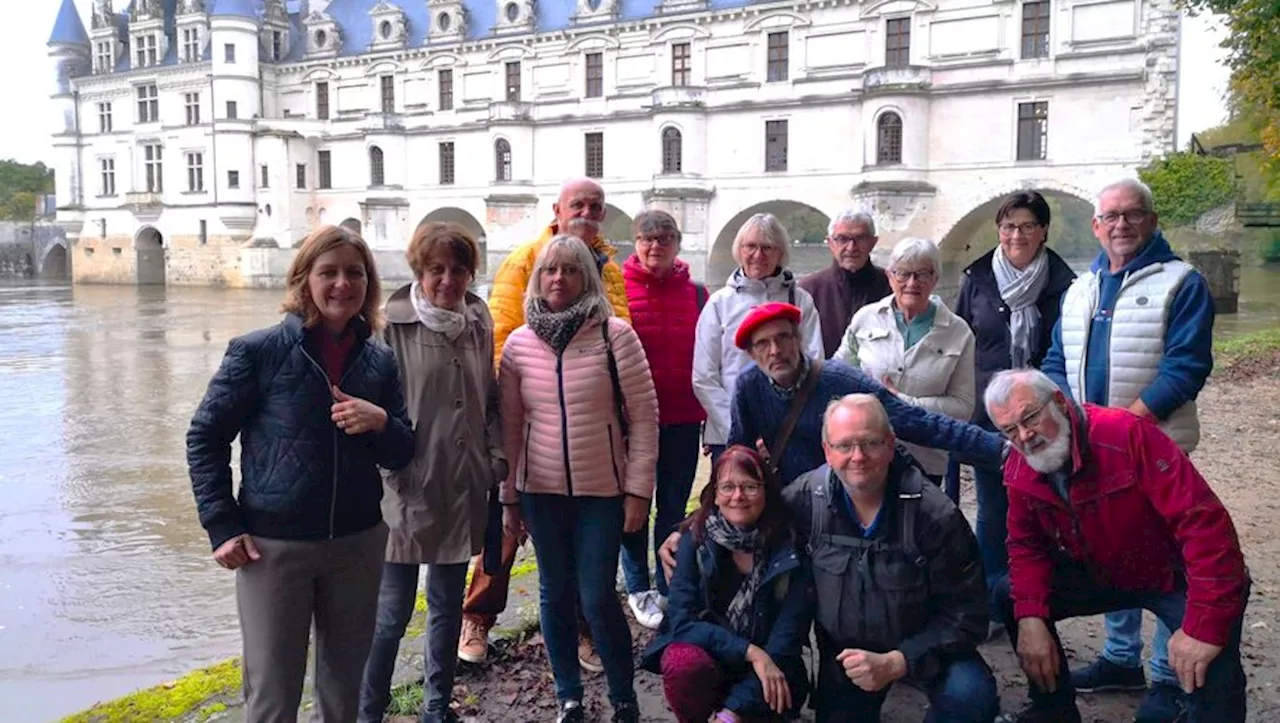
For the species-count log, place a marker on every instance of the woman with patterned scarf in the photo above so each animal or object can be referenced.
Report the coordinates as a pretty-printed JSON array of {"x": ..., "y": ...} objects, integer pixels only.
[
  {"x": 580, "y": 420},
  {"x": 740, "y": 604}
]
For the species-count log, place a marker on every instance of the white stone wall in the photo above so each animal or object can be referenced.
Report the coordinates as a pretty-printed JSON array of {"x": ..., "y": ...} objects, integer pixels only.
[{"x": 1108, "y": 82}]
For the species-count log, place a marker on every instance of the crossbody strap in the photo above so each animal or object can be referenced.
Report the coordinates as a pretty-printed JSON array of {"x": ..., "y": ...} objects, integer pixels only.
[
  {"x": 619, "y": 406},
  {"x": 793, "y": 414}
]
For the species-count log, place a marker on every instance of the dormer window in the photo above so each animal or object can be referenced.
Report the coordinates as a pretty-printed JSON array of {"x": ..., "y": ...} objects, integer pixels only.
[
  {"x": 104, "y": 59},
  {"x": 512, "y": 12},
  {"x": 515, "y": 16},
  {"x": 443, "y": 21},
  {"x": 277, "y": 45},
  {"x": 390, "y": 29},
  {"x": 190, "y": 45},
  {"x": 448, "y": 21},
  {"x": 384, "y": 29},
  {"x": 322, "y": 38},
  {"x": 144, "y": 51}
]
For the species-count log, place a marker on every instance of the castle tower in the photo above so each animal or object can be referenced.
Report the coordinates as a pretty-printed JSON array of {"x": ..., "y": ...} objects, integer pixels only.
[
  {"x": 69, "y": 58},
  {"x": 236, "y": 100}
]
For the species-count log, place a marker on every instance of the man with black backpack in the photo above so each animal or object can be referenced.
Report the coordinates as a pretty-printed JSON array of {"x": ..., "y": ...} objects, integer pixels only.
[{"x": 900, "y": 588}]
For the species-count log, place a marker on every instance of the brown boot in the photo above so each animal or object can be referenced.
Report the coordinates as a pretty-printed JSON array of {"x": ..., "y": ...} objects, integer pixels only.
[{"x": 473, "y": 643}]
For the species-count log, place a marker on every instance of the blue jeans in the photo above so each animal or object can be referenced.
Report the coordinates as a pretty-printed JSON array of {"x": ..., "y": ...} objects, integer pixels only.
[
  {"x": 678, "y": 450},
  {"x": 992, "y": 527},
  {"x": 576, "y": 541},
  {"x": 1124, "y": 645},
  {"x": 963, "y": 692},
  {"x": 1221, "y": 700},
  {"x": 399, "y": 588}
]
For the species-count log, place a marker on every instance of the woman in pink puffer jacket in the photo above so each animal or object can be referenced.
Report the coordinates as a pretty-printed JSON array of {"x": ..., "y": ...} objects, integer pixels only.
[{"x": 580, "y": 420}]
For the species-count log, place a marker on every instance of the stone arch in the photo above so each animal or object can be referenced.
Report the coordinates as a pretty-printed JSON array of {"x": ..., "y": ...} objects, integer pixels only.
[
  {"x": 806, "y": 225},
  {"x": 353, "y": 225},
  {"x": 453, "y": 214},
  {"x": 148, "y": 246},
  {"x": 616, "y": 229},
  {"x": 56, "y": 263},
  {"x": 974, "y": 234}
]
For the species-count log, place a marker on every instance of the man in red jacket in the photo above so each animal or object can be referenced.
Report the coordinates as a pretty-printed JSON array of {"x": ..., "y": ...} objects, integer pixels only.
[{"x": 1107, "y": 513}]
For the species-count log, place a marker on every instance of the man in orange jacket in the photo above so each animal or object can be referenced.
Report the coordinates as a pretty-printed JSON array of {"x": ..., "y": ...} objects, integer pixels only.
[{"x": 579, "y": 211}]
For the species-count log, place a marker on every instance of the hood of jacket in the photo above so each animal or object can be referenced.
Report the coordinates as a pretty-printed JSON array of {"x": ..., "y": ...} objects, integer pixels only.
[
  {"x": 1157, "y": 250},
  {"x": 770, "y": 284}
]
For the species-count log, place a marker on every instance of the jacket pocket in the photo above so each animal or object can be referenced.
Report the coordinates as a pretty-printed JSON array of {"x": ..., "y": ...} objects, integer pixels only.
[{"x": 835, "y": 581}]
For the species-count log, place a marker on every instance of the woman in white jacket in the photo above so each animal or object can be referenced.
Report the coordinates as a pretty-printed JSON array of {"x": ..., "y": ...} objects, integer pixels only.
[
  {"x": 914, "y": 345},
  {"x": 761, "y": 249}
]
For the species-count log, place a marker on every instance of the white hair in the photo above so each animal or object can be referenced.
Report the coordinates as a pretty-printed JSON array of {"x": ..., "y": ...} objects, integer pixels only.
[
  {"x": 1001, "y": 386},
  {"x": 868, "y": 402},
  {"x": 1128, "y": 184},
  {"x": 771, "y": 229},
  {"x": 561, "y": 247},
  {"x": 912, "y": 251},
  {"x": 851, "y": 216}
]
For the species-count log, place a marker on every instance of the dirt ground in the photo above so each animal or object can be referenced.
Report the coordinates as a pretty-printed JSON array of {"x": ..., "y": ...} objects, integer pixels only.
[{"x": 1239, "y": 454}]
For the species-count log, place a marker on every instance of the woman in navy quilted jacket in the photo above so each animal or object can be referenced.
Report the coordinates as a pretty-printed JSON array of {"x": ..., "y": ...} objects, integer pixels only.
[{"x": 318, "y": 407}]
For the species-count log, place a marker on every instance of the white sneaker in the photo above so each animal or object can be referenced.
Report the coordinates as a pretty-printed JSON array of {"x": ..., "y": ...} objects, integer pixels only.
[{"x": 645, "y": 608}]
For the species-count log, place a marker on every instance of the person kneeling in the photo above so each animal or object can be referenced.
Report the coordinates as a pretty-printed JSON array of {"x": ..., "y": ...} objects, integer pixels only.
[{"x": 740, "y": 604}]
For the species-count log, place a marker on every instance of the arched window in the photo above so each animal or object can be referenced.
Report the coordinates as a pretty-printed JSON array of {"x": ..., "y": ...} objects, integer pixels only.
[
  {"x": 672, "y": 150},
  {"x": 502, "y": 160},
  {"x": 888, "y": 139},
  {"x": 377, "y": 171}
]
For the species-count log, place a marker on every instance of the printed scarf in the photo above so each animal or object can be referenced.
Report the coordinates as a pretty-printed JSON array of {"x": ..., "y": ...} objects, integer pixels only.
[{"x": 734, "y": 539}]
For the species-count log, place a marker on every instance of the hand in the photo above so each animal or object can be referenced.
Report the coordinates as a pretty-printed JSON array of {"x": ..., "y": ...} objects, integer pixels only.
[
  {"x": 237, "y": 552},
  {"x": 667, "y": 553},
  {"x": 635, "y": 512},
  {"x": 722, "y": 715},
  {"x": 706, "y": 450},
  {"x": 1038, "y": 653},
  {"x": 777, "y": 692},
  {"x": 356, "y": 416},
  {"x": 762, "y": 449},
  {"x": 513, "y": 522},
  {"x": 1190, "y": 659},
  {"x": 872, "y": 671},
  {"x": 888, "y": 384}
]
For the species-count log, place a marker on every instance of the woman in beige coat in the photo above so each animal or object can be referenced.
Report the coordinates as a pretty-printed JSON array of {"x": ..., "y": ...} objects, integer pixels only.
[{"x": 442, "y": 336}]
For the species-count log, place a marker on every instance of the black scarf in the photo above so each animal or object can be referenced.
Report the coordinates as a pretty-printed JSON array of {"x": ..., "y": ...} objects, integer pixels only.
[{"x": 557, "y": 328}]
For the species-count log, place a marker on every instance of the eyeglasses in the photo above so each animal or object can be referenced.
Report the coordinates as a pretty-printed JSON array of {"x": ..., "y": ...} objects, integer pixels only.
[
  {"x": 1009, "y": 229},
  {"x": 843, "y": 240},
  {"x": 753, "y": 248},
  {"x": 1029, "y": 420},
  {"x": 665, "y": 241},
  {"x": 924, "y": 276},
  {"x": 1132, "y": 217},
  {"x": 748, "y": 490},
  {"x": 866, "y": 446},
  {"x": 782, "y": 340}
]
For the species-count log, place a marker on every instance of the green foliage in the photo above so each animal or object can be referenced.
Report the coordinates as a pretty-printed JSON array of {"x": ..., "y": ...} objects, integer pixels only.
[
  {"x": 807, "y": 224},
  {"x": 1259, "y": 180},
  {"x": 1248, "y": 345},
  {"x": 168, "y": 701},
  {"x": 1253, "y": 45},
  {"x": 1186, "y": 185},
  {"x": 20, "y": 184},
  {"x": 406, "y": 700}
]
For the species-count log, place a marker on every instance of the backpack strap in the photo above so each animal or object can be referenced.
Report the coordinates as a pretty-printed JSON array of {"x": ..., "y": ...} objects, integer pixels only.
[
  {"x": 817, "y": 512},
  {"x": 624, "y": 425},
  {"x": 700, "y": 295},
  {"x": 791, "y": 294},
  {"x": 909, "y": 497}
]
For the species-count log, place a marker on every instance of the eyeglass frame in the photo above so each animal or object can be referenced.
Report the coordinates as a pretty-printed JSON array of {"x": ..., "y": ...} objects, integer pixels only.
[
  {"x": 1028, "y": 421},
  {"x": 750, "y": 490},
  {"x": 666, "y": 241},
  {"x": 1141, "y": 213},
  {"x": 924, "y": 276},
  {"x": 843, "y": 240},
  {"x": 868, "y": 447},
  {"x": 1026, "y": 229}
]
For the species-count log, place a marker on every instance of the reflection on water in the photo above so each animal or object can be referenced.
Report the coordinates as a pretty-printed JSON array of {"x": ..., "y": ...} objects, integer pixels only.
[{"x": 106, "y": 581}]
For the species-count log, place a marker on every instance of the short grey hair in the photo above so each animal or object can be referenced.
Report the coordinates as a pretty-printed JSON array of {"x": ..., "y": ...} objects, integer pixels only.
[
  {"x": 1128, "y": 184},
  {"x": 851, "y": 216},
  {"x": 655, "y": 222},
  {"x": 565, "y": 247},
  {"x": 868, "y": 402},
  {"x": 1002, "y": 384},
  {"x": 773, "y": 231},
  {"x": 913, "y": 250}
]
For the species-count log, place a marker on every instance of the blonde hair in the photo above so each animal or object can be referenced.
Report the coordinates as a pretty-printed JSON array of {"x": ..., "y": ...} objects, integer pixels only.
[
  {"x": 297, "y": 295},
  {"x": 773, "y": 231},
  {"x": 561, "y": 247}
]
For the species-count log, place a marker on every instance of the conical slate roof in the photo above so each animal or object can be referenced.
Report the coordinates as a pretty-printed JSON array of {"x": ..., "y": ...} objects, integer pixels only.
[{"x": 68, "y": 28}]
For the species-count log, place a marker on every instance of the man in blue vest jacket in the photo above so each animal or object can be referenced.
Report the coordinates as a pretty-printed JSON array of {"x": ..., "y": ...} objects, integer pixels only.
[{"x": 1136, "y": 332}]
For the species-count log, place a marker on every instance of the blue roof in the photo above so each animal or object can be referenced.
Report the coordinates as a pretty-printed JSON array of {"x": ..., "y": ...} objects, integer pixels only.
[
  {"x": 68, "y": 28},
  {"x": 251, "y": 9}
]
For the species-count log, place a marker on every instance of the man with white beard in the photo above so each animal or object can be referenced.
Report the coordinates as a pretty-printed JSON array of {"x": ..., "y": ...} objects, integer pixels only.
[{"x": 1107, "y": 513}]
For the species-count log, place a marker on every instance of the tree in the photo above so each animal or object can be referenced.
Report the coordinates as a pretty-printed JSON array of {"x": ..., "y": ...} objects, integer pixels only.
[
  {"x": 1253, "y": 45},
  {"x": 20, "y": 184},
  {"x": 1186, "y": 185}
]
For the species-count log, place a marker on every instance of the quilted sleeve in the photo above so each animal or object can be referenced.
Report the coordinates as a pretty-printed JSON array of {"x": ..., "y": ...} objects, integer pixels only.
[
  {"x": 228, "y": 403},
  {"x": 616, "y": 288}
]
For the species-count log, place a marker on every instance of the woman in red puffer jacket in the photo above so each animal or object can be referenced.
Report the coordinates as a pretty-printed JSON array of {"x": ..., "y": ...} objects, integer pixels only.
[{"x": 664, "y": 304}]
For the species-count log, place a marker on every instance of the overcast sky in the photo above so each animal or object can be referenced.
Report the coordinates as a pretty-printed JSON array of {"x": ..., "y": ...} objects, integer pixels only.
[{"x": 26, "y": 77}]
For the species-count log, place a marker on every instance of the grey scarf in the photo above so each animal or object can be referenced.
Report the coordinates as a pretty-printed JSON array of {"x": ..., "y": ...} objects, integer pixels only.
[
  {"x": 557, "y": 328},
  {"x": 736, "y": 540},
  {"x": 1021, "y": 291}
]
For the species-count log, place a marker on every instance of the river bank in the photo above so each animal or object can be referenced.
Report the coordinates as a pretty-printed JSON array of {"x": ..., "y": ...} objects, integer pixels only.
[{"x": 1240, "y": 413}]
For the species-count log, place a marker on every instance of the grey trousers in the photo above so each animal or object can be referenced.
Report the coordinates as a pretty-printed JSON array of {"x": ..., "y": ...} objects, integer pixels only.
[
  {"x": 445, "y": 587},
  {"x": 331, "y": 583}
]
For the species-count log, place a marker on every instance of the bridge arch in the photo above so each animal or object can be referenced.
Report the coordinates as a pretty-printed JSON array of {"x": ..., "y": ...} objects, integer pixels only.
[
  {"x": 805, "y": 224},
  {"x": 148, "y": 245},
  {"x": 56, "y": 262}
]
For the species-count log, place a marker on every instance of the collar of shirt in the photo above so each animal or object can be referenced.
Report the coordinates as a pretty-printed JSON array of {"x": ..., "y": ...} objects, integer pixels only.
[
  {"x": 845, "y": 503},
  {"x": 788, "y": 391},
  {"x": 914, "y": 330}
]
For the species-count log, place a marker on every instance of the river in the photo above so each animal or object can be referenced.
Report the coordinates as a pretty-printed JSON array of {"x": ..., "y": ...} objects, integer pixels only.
[{"x": 106, "y": 581}]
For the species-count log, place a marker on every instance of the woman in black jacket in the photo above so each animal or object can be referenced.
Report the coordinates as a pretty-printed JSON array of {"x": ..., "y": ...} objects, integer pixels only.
[
  {"x": 740, "y": 603},
  {"x": 1011, "y": 298},
  {"x": 318, "y": 408}
]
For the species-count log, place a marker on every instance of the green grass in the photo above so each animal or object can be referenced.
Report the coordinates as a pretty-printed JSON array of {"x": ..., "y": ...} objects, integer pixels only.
[
  {"x": 192, "y": 693},
  {"x": 1246, "y": 346}
]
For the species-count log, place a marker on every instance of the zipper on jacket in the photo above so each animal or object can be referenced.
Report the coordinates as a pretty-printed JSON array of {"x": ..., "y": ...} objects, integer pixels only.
[
  {"x": 564, "y": 424},
  {"x": 613, "y": 460},
  {"x": 333, "y": 490},
  {"x": 523, "y": 480}
]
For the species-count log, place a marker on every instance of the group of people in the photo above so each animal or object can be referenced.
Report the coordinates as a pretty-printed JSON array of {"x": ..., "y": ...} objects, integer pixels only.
[{"x": 444, "y": 431}]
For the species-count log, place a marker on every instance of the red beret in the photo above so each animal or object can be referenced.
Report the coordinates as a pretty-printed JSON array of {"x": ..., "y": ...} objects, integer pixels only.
[{"x": 760, "y": 315}]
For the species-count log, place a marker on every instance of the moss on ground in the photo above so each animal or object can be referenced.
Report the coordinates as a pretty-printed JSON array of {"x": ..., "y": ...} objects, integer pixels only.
[
  {"x": 192, "y": 693},
  {"x": 1247, "y": 356}
]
